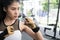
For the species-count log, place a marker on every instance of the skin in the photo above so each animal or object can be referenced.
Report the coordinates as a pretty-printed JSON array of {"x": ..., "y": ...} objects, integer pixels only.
[{"x": 12, "y": 14}]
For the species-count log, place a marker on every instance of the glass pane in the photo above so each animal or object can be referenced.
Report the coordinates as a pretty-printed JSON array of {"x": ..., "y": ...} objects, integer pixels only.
[
  {"x": 53, "y": 9},
  {"x": 35, "y": 7}
]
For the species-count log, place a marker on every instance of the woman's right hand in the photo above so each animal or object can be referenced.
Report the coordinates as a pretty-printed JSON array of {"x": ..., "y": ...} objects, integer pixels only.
[{"x": 10, "y": 30}]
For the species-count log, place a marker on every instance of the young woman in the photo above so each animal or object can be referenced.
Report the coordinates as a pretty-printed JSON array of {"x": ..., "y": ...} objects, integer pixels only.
[{"x": 11, "y": 26}]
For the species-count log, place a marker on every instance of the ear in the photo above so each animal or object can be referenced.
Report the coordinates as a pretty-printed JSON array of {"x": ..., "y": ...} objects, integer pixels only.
[{"x": 4, "y": 9}]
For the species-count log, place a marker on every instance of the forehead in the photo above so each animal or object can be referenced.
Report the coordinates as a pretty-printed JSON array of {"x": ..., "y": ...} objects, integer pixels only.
[{"x": 15, "y": 4}]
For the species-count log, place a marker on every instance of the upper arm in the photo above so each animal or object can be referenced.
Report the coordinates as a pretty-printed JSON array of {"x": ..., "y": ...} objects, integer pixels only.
[
  {"x": 37, "y": 36},
  {"x": 21, "y": 26},
  {"x": 26, "y": 29},
  {"x": 29, "y": 32}
]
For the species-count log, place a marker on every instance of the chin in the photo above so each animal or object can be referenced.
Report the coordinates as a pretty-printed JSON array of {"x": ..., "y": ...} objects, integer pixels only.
[{"x": 15, "y": 18}]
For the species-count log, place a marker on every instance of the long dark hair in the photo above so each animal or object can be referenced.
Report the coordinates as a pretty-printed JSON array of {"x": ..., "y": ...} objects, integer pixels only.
[{"x": 5, "y": 4}]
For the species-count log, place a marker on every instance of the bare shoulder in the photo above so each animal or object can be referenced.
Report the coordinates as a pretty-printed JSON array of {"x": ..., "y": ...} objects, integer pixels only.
[{"x": 21, "y": 26}]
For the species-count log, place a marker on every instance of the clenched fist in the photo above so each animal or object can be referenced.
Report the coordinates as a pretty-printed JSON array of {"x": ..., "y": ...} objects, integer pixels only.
[
  {"x": 29, "y": 22},
  {"x": 10, "y": 30}
]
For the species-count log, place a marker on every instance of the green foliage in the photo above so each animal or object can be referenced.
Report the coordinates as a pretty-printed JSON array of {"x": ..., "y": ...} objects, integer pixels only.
[
  {"x": 45, "y": 6},
  {"x": 52, "y": 4}
]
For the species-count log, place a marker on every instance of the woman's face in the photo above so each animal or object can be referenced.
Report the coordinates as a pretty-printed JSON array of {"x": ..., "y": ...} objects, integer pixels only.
[{"x": 13, "y": 10}]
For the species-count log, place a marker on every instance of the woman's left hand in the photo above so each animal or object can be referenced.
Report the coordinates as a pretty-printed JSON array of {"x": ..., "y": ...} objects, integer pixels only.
[{"x": 30, "y": 23}]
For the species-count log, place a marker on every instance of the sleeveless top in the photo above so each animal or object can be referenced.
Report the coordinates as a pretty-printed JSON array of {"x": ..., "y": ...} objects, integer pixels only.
[{"x": 17, "y": 33}]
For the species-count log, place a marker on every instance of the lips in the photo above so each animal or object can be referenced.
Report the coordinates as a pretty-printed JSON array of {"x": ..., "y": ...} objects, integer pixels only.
[{"x": 15, "y": 16}]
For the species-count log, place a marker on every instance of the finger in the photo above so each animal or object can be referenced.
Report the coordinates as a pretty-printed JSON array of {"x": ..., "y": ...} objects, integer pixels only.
[
  {"x": 10, "y": 30},
  {"x": 29, "y": 20}
]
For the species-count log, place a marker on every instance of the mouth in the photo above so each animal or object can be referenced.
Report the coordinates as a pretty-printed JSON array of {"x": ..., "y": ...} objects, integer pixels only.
[{"x": 15, "y": 16}]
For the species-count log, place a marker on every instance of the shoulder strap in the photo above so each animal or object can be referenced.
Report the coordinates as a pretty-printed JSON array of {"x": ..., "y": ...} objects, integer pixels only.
[{"x": 18, "y": 24}]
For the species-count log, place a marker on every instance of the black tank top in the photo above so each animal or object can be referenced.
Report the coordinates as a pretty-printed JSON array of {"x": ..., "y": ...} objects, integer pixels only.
[{"x": 15, "y": 25}]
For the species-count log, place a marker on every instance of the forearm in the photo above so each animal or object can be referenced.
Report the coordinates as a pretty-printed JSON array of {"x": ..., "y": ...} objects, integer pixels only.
[
  {"x": 39, "y": 35},
  {"x": 3, "y": 34},
  {"x": 2, "y": 37}
]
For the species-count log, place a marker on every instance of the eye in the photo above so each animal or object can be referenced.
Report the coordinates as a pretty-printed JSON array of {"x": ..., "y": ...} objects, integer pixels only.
[{"x": 13, "y": 8}]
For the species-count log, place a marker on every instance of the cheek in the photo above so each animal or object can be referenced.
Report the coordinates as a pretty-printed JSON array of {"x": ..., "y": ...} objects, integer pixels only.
[
  {"x": 13, "y": 13},
  {"x": 10, "y": 14}
]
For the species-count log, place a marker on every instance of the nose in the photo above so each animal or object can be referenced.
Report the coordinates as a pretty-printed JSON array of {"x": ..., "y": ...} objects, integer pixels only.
[{"x": 17, "y": 12}]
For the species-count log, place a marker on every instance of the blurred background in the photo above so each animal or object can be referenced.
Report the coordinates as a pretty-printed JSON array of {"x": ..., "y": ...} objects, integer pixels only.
[{"x": 46, "y": 15}]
